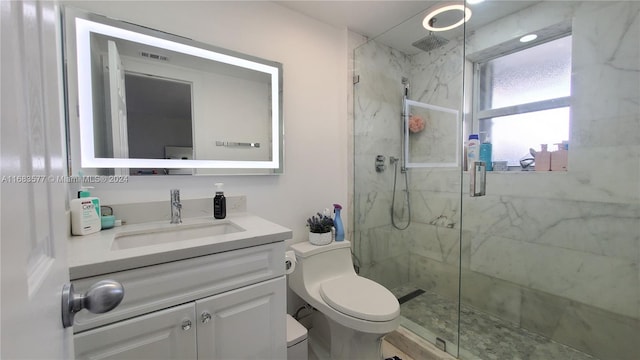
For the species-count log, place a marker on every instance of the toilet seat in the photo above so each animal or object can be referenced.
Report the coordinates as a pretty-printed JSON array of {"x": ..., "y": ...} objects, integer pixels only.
[{"x": 360, "y": 297}]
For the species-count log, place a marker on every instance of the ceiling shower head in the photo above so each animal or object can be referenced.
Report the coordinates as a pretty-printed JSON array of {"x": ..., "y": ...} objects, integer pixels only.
[{"x": 430, "y": 41}]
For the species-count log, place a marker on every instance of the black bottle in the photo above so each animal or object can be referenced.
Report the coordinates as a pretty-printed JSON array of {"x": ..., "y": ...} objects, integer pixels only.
[{"x": 219, "y": 203}]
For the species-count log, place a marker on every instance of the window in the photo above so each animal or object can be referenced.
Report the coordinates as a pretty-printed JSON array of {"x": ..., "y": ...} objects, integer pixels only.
[{"x": 523, "y": 99}]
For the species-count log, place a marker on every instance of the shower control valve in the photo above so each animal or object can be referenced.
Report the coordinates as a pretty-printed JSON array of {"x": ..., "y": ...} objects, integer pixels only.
[{"x": 380, "y": 166}]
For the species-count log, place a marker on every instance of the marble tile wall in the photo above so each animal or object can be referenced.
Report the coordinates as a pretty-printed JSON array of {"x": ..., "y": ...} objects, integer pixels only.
[
  {"x": 377, "y": 128},
  {"x": 556, "y": 253}
]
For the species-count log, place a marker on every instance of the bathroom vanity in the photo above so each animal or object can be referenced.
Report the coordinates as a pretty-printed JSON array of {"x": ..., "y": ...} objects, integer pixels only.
[{"x": 203, "y": 289}]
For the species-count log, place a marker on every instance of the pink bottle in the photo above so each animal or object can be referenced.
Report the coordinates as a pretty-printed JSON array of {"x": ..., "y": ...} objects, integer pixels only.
[
  {"x": 559, "y": 158},
  {"x": 543, "y": 159}
]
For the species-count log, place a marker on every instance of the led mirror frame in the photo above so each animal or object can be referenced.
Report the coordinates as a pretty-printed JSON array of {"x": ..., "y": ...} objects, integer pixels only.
[{"x": 85, "y": 27}]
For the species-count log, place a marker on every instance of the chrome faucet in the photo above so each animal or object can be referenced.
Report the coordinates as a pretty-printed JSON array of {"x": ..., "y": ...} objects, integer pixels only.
[{"x": 176, "y": 207}]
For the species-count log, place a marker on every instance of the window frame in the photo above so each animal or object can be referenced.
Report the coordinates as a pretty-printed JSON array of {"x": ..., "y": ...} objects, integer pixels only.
[{"x": 479, "y": 115}]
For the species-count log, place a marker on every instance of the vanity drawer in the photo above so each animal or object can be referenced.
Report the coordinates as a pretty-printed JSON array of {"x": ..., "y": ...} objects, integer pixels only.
[{"x": 157, "y": 287}]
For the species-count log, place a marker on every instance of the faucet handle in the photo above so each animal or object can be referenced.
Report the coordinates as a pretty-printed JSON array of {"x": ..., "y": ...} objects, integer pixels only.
[
  {"x": 175, "y": 194},
  {"x": 176, "y": 206}
]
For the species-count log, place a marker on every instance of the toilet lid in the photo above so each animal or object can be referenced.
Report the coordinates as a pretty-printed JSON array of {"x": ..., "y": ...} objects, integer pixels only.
[{"x": 361, "y": 298}]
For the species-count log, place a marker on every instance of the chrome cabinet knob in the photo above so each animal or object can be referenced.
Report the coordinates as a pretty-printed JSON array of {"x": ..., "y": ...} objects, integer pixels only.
[
  {"x": 186, "y": 325},
  {"x": 101, "y": 297},
  {"x": 205, "y": 317}
]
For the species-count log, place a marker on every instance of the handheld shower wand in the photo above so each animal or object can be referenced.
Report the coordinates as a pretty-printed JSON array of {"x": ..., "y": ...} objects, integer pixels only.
[{"x": 402, "y": 160}]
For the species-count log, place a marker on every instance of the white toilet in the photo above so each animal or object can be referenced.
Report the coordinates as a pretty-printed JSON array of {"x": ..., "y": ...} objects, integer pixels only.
[{"x": 359, "y": 311}]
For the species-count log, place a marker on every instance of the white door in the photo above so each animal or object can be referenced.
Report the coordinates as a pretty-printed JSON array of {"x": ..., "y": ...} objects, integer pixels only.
[
  {"x": 118, "y": 103},
  {"x": 118, "y": 106},
  {"x": 34, "y": 225}
]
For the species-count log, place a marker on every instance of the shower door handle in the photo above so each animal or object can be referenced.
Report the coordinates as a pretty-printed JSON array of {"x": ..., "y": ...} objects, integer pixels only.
[{"x": 478, "y": 179}]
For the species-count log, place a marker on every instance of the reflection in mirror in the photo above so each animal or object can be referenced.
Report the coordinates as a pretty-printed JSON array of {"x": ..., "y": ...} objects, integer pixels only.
[
  {"x": 154, "y": 103},
  {"x": 163, "y": 105}
]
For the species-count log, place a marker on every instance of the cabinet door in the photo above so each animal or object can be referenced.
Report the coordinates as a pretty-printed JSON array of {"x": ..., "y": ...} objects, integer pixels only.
[
  {"x": 165, "y": 334},
  {"x": 246, "y": 323}
]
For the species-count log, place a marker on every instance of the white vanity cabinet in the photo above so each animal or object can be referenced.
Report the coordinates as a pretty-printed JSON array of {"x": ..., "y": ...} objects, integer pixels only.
[
  {"x": 247, "y": 323},
  {"x": 229, "y": 305},
  {"x": 165, "y": 334}
]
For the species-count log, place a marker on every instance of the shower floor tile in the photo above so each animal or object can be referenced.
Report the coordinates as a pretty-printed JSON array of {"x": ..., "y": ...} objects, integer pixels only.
[{"x": 482, "y": 336}]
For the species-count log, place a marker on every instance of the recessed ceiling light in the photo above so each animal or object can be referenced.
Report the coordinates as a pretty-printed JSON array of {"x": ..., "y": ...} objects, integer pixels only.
[
  {"x": 471, "y": 2},
  {"x": 528, "y": 38},
  {"x": 427, "y": 20}
]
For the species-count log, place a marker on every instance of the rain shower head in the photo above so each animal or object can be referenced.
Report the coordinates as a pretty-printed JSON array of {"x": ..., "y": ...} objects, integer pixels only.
[{"x": 430, "y": 41}]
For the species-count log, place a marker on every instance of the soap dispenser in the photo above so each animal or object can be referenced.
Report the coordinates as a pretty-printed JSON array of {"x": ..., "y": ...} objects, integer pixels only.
[
  {"x": 543, "y": 158},
  {"x": 219, "y": 203},
  {"x": 560, "y": 157}
]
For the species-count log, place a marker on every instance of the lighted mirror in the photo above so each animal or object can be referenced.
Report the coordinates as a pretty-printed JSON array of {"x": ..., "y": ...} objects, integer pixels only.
[{"x": 142, "y": 101}]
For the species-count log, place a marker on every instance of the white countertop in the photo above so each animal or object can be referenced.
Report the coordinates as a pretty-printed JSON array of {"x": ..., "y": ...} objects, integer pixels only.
[{"x": 92, "y": 255}]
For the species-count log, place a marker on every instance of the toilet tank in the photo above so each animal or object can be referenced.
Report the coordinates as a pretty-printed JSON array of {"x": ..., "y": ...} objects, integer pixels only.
[{"x": 322, "y": 262}]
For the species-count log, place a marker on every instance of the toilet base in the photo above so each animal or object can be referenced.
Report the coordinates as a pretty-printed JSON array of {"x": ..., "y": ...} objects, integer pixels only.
[
  {"x": 349, "y": 344},
  {"x": 345, "y": 343}
]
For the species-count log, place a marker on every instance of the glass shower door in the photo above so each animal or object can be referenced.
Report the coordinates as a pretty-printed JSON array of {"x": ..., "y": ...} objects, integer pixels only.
[
  {"x": 550, "y": 254},
  {"x": 407, "y": 177}
]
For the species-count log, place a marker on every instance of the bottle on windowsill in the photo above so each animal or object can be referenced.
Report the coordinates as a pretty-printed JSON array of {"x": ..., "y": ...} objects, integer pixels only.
[
  {"x": 560, "y": 157},
  {"x": 543, "y": 159}
]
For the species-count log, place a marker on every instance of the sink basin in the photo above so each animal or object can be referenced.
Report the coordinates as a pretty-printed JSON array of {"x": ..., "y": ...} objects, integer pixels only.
[{"x": 172, "y": 233}]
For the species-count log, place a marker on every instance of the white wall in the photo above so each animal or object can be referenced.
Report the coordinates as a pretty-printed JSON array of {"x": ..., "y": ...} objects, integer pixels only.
[{"x": 314, "y": 58}]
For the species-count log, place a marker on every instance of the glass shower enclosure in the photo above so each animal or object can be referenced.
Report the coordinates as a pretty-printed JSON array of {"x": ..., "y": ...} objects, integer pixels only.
[{"x": 545, "y": 265}]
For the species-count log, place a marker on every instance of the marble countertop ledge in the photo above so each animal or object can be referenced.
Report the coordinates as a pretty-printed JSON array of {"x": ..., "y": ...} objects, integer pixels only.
[{"x": 92, "y": 255}]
